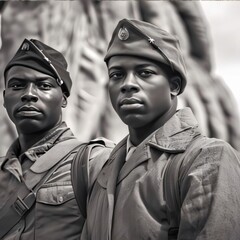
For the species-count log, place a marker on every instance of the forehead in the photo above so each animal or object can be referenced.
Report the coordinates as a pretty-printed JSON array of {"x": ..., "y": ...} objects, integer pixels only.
[
  {"x": 25, "y": 73},
  {"x": 126, "y": 60}
]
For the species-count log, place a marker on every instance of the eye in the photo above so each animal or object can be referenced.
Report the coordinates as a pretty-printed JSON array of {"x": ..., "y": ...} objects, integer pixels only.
[
  {"x": 116, "y": 76},
  {"x": 45, "y": 85},
  {"x": 145, "y": 73},
  {"x": 16, "y": 85}
]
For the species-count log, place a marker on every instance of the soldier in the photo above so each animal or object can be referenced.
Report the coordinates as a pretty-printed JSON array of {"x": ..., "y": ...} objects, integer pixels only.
[
  {"x": 165, "y": 180},
  {"x": 36, "y": 176}
]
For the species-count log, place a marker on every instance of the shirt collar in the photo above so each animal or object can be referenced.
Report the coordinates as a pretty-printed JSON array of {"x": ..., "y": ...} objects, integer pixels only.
[
  {"x": 130, "y": 148},
  {"x": 13, "y": 154}
]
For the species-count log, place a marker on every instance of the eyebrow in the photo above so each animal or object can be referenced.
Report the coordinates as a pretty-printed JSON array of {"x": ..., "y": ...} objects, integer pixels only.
[
  {"x": 115, "y": 67},
  {"x": 38, "y": 79},
  {"x": 137, "y": 66},
  {"x": 146, "y": 65}
]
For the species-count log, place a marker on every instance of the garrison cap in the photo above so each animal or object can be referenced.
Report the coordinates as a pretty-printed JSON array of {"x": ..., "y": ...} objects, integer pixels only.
[
  {"x": 41, "y": 57},
  {"x": 142, "y": 39}
]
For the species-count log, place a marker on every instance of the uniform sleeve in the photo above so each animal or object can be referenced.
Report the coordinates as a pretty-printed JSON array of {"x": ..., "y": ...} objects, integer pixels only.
[{"x": 210, "y": 195}]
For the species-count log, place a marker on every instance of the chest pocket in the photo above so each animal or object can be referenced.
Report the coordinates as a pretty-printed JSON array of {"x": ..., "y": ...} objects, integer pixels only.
[
  {"x": 55, "y": 194},
  {"x": 56, "y": 207}
]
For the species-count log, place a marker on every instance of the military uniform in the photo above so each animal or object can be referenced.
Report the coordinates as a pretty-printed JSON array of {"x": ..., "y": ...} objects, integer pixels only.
[
  {"x": 130, "y": 197},
  {"x": 56, "y": 214}
]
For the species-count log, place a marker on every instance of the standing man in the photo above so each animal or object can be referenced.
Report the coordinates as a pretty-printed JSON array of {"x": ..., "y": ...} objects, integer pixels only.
[
  {"x": 36, "y": 183},
  {"x": 165, "y": 180}
]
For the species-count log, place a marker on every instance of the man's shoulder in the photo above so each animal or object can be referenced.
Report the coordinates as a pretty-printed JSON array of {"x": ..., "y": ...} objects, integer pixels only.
[
  {"x": 95, "y": 152},
  {"x": 103, "y": 141},
  {"x": 100, "y": 146},
  {"x": 207, "y": 151},
  {"x": 213, "y": 144}
]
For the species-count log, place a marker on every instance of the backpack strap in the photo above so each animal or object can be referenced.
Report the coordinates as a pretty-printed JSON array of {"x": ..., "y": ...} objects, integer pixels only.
[
  {"x": 79, "y": 175},
  {"x": 25, "y": 197},
  {"x": 94, "y": 154},
  {"x": 172, "y": 188}
]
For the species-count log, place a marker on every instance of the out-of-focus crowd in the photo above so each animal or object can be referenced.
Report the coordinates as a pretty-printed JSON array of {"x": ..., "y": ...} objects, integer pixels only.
[{"x": 81, "y": 30}]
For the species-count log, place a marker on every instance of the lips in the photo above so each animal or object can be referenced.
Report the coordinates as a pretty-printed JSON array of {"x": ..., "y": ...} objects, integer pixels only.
[
  {"x": 126, "y": 101},
  {"x": 28, "y": 111},
  {"x": 28, "y": 108},
  {"x": 130, "y": 104}
]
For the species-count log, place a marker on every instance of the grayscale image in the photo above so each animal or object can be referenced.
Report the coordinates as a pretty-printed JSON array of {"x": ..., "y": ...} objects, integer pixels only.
[{"x": 119, "y": 120}]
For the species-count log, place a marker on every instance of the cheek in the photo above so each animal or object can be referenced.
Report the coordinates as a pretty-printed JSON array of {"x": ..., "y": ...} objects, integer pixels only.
[
  {"x": 160, "y": 96},
  {"x": 9, "y": 101},
  {"x": 53, "y": 98},
  {"x": 54, "y": 106},
  {"x": 51, "y": 104},
  {"x": 113, "y": 95}
]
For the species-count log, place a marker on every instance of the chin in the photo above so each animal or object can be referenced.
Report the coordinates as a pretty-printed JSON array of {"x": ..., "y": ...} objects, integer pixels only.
[
  {"x": 31, "y": 127},
  {"x": 133, "y": 122}
]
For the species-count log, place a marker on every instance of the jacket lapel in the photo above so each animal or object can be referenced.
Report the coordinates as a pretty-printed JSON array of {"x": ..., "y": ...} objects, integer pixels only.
[{"x": 140, "y": 155}]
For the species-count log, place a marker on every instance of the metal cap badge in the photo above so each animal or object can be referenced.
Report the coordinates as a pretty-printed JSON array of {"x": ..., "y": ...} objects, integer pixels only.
[
  {"x": 123, "y": 34},
  {"x": 25, "y": 46}
]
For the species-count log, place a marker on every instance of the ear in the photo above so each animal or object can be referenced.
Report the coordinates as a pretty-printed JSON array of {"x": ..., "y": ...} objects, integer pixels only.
[
  {"x": 175, "y": 85},
  {"x": 64, "y": 101},
  {"x": 4, "y": 98}
]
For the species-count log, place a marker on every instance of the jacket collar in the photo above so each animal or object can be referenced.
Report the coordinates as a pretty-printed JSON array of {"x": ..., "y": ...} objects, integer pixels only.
[
  {"x": 12, "y": 161},
  {"x": 175, "y": 135}
]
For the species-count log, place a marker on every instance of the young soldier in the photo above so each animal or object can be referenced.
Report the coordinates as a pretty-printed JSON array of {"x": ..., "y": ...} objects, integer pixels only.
[
  {"x": 165, "y": 180},
  {"x": 36, "y": 187}
]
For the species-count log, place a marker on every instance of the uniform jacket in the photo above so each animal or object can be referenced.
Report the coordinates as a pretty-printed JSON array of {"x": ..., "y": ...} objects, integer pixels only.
[
  {"x": 128, "y": 202},
  {"x": 56, "y": 214}
]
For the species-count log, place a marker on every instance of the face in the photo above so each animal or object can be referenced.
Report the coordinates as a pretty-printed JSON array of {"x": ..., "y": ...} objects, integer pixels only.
[
  {"x": 33, "y": 100},
  {"x": 139, "y": 90}
]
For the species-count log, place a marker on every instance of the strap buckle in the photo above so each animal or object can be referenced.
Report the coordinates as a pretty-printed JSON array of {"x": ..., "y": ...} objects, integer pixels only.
[{"x": 22, "y": 206}]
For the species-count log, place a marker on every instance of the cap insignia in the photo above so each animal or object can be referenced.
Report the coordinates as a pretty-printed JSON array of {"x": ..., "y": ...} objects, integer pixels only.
[
  {"x": 151, "y": 40},
  {"x": 123, "y": 34},
  {"x": 25, "y": 47}
]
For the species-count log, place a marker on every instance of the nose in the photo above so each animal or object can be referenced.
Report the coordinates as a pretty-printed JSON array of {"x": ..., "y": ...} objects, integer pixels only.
[
  {"x": 130, "y": 84},
  {"x": 30, "y": 94}
]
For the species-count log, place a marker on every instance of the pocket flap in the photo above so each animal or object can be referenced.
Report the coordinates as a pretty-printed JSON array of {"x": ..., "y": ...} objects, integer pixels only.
[{"x": 55, "y": 194}]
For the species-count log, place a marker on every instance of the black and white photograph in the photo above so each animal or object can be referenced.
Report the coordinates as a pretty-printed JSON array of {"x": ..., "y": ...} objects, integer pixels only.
[{"x": 120, "y": 120}]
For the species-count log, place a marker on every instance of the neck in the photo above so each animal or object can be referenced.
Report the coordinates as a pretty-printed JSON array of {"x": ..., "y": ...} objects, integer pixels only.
[
  {"x": 137, "y": 135},
  {"x": 26, "y": 141}
]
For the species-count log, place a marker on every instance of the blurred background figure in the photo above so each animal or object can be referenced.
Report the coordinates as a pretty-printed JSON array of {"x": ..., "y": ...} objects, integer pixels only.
[{"x": 81, "y": 30}]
